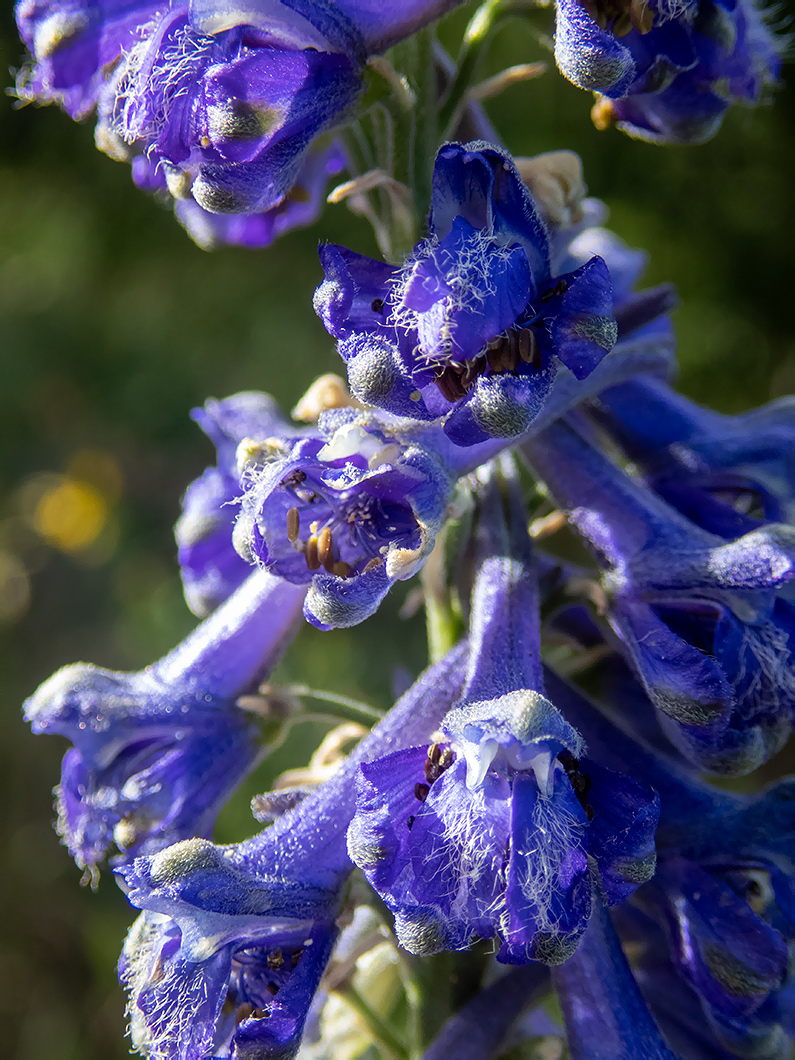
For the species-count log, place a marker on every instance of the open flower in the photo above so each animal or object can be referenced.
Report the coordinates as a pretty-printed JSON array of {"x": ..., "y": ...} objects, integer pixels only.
[
  {"x": 209, "y": 565},
  {"x": 233, "y": 940},
  {"x": 666, "y": 72},
  {"x": 706, "y": 623},
  {"x": 347, "y": 511},
  {"x": 157, "y": 753},
  {"x": 486, "y": 320},
  {"x": 488, "y": 832},
  {"x": 224, "y": 102},
  {"x": 711, "y": 943}
]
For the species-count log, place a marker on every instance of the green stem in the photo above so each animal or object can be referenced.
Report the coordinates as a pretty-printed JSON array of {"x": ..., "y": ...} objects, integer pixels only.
[
  {"x": 352, "y": 709},
  {"x": 429, "y": 990},
  {"x": 379, "y": 1029},
  {"x": 444, "y": 627},
  {"x": 477, "y": 35}
]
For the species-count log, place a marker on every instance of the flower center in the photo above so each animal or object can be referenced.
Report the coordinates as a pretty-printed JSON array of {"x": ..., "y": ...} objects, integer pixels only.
[
  {"x": 438, "y": 761},
  {"x": 503, "y": 353},
  {"x": 349, "y": 530}
]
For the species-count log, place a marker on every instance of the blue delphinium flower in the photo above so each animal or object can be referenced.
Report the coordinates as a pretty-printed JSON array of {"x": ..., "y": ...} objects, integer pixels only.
[
  {"x": 209, "y": 565},
  {"x": 225, "y": 100},
  {"x": 301, "y": 206},
  {"x": 233, "y": 941},
  {"x": 489, "y": 831},
  {"x": 704, "y": 622},
  {"x": 666, "y": 72},
  {"x": 157, "y": 753},
  {"x": 346, "y": 511},
  {"x": 487, "y": 318},
  {"x": 728, "y": 474},
  {"x": 719, "y": 914}
]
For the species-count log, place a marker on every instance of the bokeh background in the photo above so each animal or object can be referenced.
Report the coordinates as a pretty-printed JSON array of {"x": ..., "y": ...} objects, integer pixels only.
[{"x": 113, "y": 325}]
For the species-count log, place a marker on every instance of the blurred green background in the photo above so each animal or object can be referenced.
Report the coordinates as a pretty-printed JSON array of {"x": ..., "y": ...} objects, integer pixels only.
[{"x": 113, "y": 326}]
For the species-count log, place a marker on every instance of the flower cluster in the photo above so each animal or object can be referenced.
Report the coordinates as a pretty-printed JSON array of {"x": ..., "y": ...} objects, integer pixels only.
[
  {"x": 220, "y": 106},
  {"x": 537, "y": 795},
  {"x": 666, "y": 71}
]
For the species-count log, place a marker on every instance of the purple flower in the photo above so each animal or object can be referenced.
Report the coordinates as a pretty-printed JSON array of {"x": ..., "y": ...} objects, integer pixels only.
[
  {"x": 728, "y": 474},
  {"x": 73, "y": 43},
  {"x": 209, "y": 565},
  {"x": 224, "y": 101},
  {"x": 228, "y": 954},
  {"x": 347, "y": 511},
  {"x": 489, "y": 830},
  {"x": 719, "y": 914},
  {"x": 666, "y": 72},
  {"x": 301, "y": 206},
  {"x": 706, "y": 623},
  {"x": 157, "y": 753},
  {"x": 487, "y": 319}
]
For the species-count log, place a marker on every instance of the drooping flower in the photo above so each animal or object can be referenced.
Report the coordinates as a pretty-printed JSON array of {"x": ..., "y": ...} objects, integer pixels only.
[
  {"x": 728, "y": 474},
  {"x": 666, "y": 71},
  {"x": 488, "y": 319},
  {"x": 488, "y": 831},
  {"x": 347, "y": 511},
  {"x": 157, "y": 753},
  {"x": 224, "y": 101},
  {"x": 233, "y": 940},
  {"x": 705, "y": 622},
  {"x": 711, "y": 942},
  {"x": 209, "y": 565},
  {"x": 301, "y": 206}
]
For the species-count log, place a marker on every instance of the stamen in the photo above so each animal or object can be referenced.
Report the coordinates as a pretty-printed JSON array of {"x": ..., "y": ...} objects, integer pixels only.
[
  {"x": 434, "y": 753},
  {"x": 371, "y": 564},
  {"x": 421, "y": 792},
  {"x": 342, "y": 569},
  {"x": 293, "y": 524},
  {"x": 228, "y": 1006},
  {"x": 275, "y": 960},
  {"x": 311, "y": 556},
  {"x": 377, "y": 305},
  {"x": 325, "y": 546},
  {"x": 411, "y": 821},
  {"x": 272, "y": 989},
  {"x": 295, "y": 957}
]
